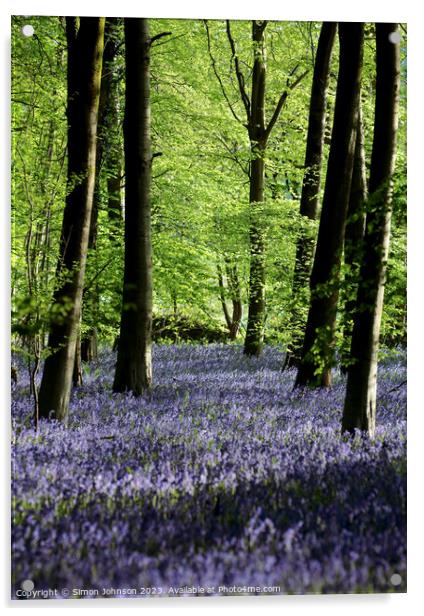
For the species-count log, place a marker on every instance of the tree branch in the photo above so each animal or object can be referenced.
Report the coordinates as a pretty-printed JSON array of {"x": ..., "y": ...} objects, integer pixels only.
[
  {"x": 280, "y": 104},
  {"x": 158, "y": 36},
  {"x": 217, "y": 74},
  {"x": 96, "y": 275},
  {"x": 397, "y": 387},
  {"x": 276, "y": 114},
  {"x": 299, "y": 79},
  {"x": 232, "y": 156},
  {"x": 239, "y": 74}
]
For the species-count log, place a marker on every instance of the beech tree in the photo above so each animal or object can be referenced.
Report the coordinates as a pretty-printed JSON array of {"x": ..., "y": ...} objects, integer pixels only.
[
  {"x": 259, "y": 131},
  {"x": 360, "y": 402},
  {"x": 134, "y": 361},
  {"x": 354, "y": 234},
  {"x": 109, "y": 164},
  {"x": 85, "y": 48},
  {"x": 309, "y": 200},
  {"x": 318, "y": 345}
]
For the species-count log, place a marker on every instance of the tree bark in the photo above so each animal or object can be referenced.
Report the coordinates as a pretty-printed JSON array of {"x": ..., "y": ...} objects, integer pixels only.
[
  {"x": 134, "y": 362},
  {"x": 85, "y": 48},
  {"x": 360, "y": 402},
  {"x": 353, "y": 241},
  {"x": 311, "y": 186},
  {"x": 318, "y": 346},
  {"x": 108, "y": 163},
  {"x": 256, "y": 313}
]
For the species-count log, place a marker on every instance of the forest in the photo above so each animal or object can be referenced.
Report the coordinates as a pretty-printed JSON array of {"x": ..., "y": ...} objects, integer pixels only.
[{"x": 208, "y": 290}]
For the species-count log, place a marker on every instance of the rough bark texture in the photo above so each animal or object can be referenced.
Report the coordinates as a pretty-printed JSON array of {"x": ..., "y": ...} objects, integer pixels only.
[
  {"x": 256, "y": 316},
  {"x": 360, "y": 401},
  {"x": 85, "y": 47},
  {"x": 311, "y": 186},
  {"x": 318, "y": 346},
  {"x": 354, "y": 235},
  {"x": 134, "y": 362}
]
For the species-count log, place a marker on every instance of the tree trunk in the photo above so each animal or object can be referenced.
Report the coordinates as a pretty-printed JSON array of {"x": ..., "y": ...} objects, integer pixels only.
[
  {"x": 222, "y": 297},
  {"x": 233, "y": 321},
  {"x": 77, "y": 371},
  {"x": 236, "y": 299},
  {"x": 256, "y": 315},
  {"x": 85, "y": 47},
  {"x": 113, "y": 146},
  {"x": 134, "y": 362},
  {"x": 360, "y": 402},
  {"x": 311, "y": 187},
  {"x": 318, "y": 346},
  {"x": 354, "y": 234},
  {"x": 258, "y": 136},
  {"x": 89, "y": 347},
  {"x": 106, "y": 132}
]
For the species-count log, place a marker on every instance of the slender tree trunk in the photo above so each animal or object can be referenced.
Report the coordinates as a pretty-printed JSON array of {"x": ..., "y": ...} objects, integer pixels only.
[
  {"x": 236, "y": 299},
  {"x": 259, "y": 133},
  {"x": 85, "y": 47},
  {"x": 354, "y": 234},
  {"x": 256, "y": 315},
  {"x": 108, "y": 163},
  {"x": 77, "y": 372},
  {"x": 360, "y": 402},
  {"x": 86, "y": 349},
  {"x": 310, "y": 187},
  {"x": 45, "y": 233},
  {"x": 36, "y": 245},
  {"x": 318, "y": 346},
  {"x": 113, "y": 148},
  {"x": 114, "y": 168},
  {"x": 89, "y": 347},
  {"x": 134, "y": 362},
  {"x": 114, "y": 204},
  {"x": 222, "y": 297},
  {"x": 232, "y": 320}
]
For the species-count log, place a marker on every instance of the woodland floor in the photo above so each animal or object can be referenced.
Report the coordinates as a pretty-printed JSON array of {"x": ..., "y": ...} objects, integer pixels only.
[{"x": 221, "y": 478}]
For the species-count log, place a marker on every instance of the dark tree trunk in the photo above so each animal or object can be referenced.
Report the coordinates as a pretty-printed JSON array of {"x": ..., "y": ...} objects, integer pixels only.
[
  {"x": 310, "y": 187},
  {"x": 354, "y": 234},
  {"x": 256, "y": 315},
  {"x": 318, "y": 346},
  {"x": 85, "y": 47},
  {"x": 360, "y": 402},
  {"x": 134, "y": 362}
]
